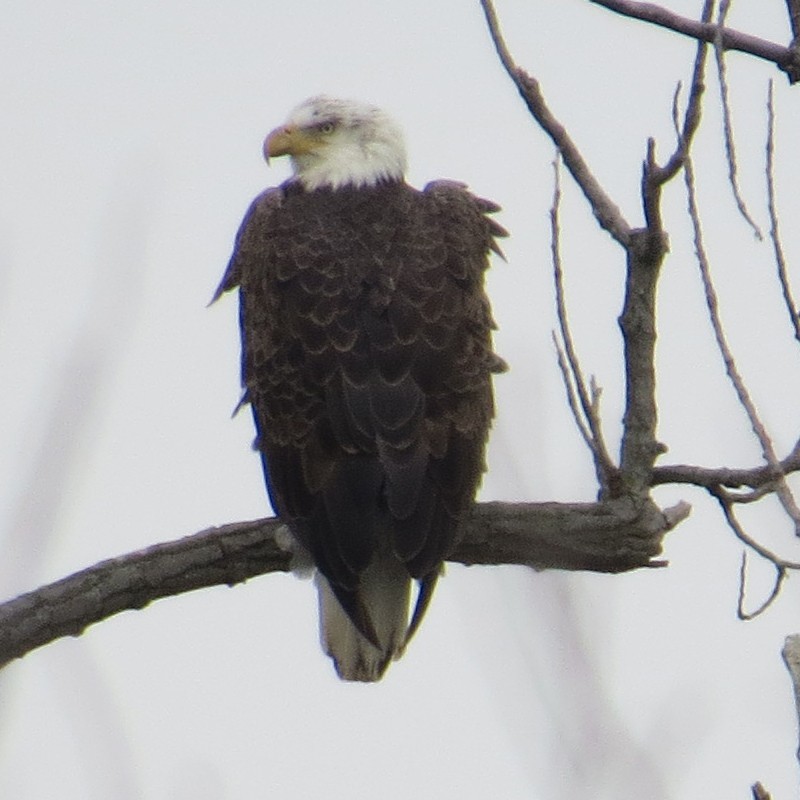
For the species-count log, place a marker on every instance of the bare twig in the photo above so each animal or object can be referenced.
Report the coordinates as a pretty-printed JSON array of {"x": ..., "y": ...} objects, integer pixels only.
[
  {"x": 774, "y": 232},
  {"x": 605, "y": 210},
  {"x": 782, "y": 565},
  {"x": 727, "y": 125},
  {"x": 780, "y": 575},
  {"x": 658, "y": 176},
  {"x": 567, "y": 379},
  {"x": 589, "y": 420},
  {"x": 783, "y": 57}
]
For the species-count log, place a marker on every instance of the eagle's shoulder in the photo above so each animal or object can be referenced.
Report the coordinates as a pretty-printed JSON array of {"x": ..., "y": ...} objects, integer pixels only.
[
  {"x": 249, "y": 236},
  {"x": 466, "y": 214}
]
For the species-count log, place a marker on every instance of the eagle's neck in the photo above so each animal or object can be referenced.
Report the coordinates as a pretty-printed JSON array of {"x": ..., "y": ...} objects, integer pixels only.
[{"x": 351, "y": 163}]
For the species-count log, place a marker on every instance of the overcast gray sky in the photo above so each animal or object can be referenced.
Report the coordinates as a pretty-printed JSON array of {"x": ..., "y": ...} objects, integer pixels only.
[{"x": 131, "y": 147}]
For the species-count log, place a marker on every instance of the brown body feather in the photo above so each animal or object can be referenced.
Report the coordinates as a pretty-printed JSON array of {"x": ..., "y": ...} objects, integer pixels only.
[{"x": 367, "y": 359}]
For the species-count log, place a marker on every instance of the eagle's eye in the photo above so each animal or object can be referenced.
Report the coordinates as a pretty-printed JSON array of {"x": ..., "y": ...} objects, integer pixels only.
[{"x": 326, "y": 127}]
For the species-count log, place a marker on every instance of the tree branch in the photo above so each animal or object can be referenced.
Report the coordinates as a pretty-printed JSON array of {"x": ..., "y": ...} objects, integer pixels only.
[
  {"x": 786, "y": 58},
  {"x": 640, "y": 448},
  {"x": 727, "y": 125},
  {"x": 791, "y": 657},
  {"x": 774, "y": 230},
  {"x": 781, "y": 574},
  {"x": 602, "y": 537},
  {"x": 710, "y": 477},
  {"x": 645, "y": 254},
  {"x": 584, "y": 405},
  {"x": 655, "y": 177},
  {"x": 605, "y": 210},
  {"x": 782, "y": 489}
]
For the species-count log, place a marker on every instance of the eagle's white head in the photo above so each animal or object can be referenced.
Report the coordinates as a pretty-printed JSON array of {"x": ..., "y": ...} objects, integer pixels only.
[{"x": 337, "y": 143}]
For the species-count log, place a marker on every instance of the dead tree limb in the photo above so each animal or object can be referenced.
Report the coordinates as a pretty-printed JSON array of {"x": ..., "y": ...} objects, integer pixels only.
[
  {"x": 601, "y": 537},
  {"x": 785, "y": 58},
  {"x": 645, "y": 250},
  {"x": 608, "y": 215}
]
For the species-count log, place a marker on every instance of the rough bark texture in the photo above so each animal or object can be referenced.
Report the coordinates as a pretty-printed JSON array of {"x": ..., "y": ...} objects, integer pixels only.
[
  {"x": 637, "y": 322},
  {"x": 613, "y": 536}
]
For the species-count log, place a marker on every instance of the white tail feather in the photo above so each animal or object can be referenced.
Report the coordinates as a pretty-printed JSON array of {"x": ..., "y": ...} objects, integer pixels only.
[{"x": 384, "y": 593}]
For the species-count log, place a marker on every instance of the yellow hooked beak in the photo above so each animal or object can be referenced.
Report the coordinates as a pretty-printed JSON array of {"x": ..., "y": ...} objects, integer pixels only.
[{"x": 289, "y": 140}]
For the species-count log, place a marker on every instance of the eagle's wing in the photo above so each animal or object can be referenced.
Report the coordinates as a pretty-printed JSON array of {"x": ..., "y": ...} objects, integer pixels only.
[
  {"x": 449, "y": 312},
  {"x": 248, "y": 249}
]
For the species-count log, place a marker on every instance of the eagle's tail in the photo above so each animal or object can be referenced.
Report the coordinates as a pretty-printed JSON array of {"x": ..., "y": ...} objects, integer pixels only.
[{"x": 382, "y": 598}]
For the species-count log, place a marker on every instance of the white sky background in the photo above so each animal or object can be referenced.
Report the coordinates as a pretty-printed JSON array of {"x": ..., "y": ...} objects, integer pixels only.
[{"x": 131, "y": 143}]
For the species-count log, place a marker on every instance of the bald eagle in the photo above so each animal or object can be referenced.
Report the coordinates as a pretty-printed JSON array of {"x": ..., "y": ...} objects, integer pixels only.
[{"x": 367, "y": 360}]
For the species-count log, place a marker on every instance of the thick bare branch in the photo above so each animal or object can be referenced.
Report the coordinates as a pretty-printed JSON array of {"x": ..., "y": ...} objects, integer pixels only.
[
  {"x": 786, "y": 58},
  {"x": 605, "y": 210},
  {"x": 602, "y": 537},
  {"x": 645, "y": 255},
  {"x": 225, "y": 555},
  {"x": 639, "y": 448}
]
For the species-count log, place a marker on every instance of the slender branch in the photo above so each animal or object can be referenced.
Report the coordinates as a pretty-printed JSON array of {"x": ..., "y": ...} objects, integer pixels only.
[
  {"x": 782, "y": 566},
  {"x": 605, "y": 210},
  {"x": 613, "y": 536},
  {"x": 727, "y": 505},
  {"x": 727, "y": 125},
  {"x": 786, "y": 58},
  {"x": 709, "y": 477},
  {"x": 589, "y": 422},
  {"x": 568, "y": 380},
  {"x": 659, "y": 176},
  {"x": 774, "y": 232}
]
